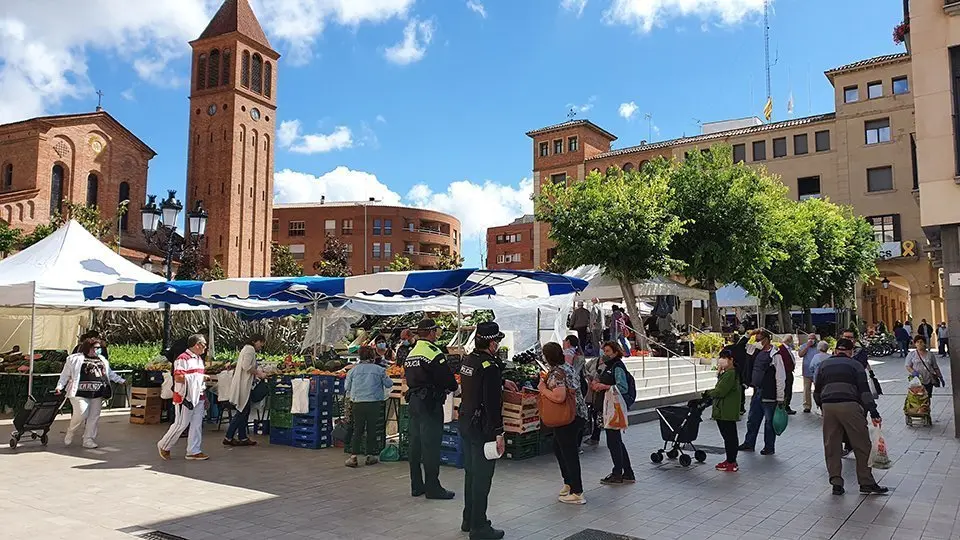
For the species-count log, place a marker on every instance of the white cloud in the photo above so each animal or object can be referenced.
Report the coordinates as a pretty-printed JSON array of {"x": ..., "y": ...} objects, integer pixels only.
[
  {"x": 627, "y": 110},
  {"x": 645, "y": 14},
  {"x": 290, "y": 136},
  {"x": 583, "y": 108},
  {"x": 381, "y": 119},
  {"x": 128, "y": 95},
  {"x": 477, "y": 206},
  {"x": 340, "y": 184},
  {"x": 412, "y": 48},
  {"x": 574, "y": 6},
  {"x": 477, "y": 8}
]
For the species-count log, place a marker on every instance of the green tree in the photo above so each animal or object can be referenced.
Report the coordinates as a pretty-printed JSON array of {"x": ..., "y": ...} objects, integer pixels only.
[
  {"x": 213, "y": 273},
  {"x": 87, "y": 216},
  {"x": 334, "y": 259},
  {"x": 39, "y": 233},
  {"x": 729, "y": 212},
  {"x": 858, "y": 260},
  {"x": 553, "y": 265},
  {"x": 448, "y": 261},
  {"x": 10, "y": 238},
  {"x": 282, "y": 262},
  {"x": 191, "y": 265},
  {"x": 617, "y": 220},
  {"x": 400, "y": 263}
]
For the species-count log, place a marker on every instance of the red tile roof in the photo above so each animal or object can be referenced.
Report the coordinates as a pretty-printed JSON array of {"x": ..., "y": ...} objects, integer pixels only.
[
  {"x": 866, "y": 63},
  {"x": 236, "y": 16},
  {"x": 570, "y": 124}
]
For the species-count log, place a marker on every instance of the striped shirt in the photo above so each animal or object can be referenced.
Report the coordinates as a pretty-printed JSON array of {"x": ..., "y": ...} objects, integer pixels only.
[{"x": 190, "y": 366}]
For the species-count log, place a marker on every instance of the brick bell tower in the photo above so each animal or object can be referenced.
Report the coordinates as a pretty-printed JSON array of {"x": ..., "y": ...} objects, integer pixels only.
[{"x": 232, "y": 125}]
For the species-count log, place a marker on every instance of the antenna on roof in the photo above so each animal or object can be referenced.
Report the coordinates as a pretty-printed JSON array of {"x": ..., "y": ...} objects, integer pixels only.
[
  {"x": 99, "y": 100},
  {"x": 572, "y": 113},
  {"x": 649, "y": 118}
]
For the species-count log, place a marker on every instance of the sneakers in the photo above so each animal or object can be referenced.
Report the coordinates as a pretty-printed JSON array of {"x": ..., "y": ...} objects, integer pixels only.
[
  {"x": 164, "y": 454},
  {"x": 612, "y": 480},
  {"x": 591, "y": 442},
  {"x": 875, "y": 489},
  {"x": 745, "y": 448},
  {"x": 806, "y": 411},
  {"x": 372, "y": 460},
  {"x": 488, "y": 533},
  {"x": 443, "y": 495},
  {"x": 245, "y": 442},
  {"x": 565, "y": 490},
  {"x": 768, "y": 452},
  {"x": 722, "y": 465},
  {"x": 838, "y": 490},
  {"x": 573, "y": 498},
  {"x": 352, "y": 462},
  {"x": 229, "y": 442},
  {"x": 629, "y": 479},
  {"x": 200, "y": 456},
  {"x": 68, "y": 439},
  {"x": 731, "y": 467},
  {"x": 90, "y": 445},
  {"x": 791, "y": 412}
]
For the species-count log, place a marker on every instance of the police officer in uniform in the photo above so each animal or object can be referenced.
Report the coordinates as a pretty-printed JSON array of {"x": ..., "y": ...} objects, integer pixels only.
[
  {"x": 429, "y": 378},
  {"x": 481, "y": 422}
]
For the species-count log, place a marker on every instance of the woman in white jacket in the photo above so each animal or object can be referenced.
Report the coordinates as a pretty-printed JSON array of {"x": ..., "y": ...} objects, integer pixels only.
[
  {"x": 86, "y": 378},
  {"x": 244, "y": 377}
]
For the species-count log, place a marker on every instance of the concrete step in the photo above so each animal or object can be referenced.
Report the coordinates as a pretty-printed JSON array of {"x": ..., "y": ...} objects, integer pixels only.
[
  {"x": 645, "y": 410},
  {"x": 674, "y": 370}
]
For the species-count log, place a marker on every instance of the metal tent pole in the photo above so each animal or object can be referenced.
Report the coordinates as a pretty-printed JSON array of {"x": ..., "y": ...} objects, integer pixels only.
[
  {"x": 211, "y": 322},
  {"x": 33, "y": 321},
  {"x": 320, "y": 333}
]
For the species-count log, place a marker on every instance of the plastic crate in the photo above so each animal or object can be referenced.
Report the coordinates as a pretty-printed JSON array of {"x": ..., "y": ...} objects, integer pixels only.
[
  {"x": 521, "y": 439},
  {"x": 546, "y": 445},
  {"x": 281, "y": 419},
  {"x": 451, "y": 427},
  {"x": 451, "y": 458},
  {"x": 522, "y": 452},
  {"x": 282, "y": 436},
  {"x": 281, "y": 402},
  {"x": 451, "y": 442},
  {"x": 146, "y": 379},
  {"x": 261, "y": 427}
]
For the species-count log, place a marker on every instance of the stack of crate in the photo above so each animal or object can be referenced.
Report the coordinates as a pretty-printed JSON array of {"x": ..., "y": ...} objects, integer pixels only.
[
  {"x": 380, "y": 427},
  {"x": 145, "y": 405},
  {"x": 403, "y": 422},
  {"x": 521, "y": 425},
  {"x": 451, "y": 446},
  {"x": 311, "y": 430}
]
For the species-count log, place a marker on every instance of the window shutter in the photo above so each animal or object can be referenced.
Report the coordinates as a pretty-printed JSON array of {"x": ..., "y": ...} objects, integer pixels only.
[{"x": 896, "y": 228}]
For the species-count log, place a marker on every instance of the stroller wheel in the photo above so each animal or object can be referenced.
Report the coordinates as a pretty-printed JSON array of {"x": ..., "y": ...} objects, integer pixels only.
[
  {"x": 656, "y": 457},
  {"x": 700, "y": 456},
  {"x": 685, "y": 460},
  {"x": 44, "y": 439},
  {"x": 33, "y": 436},
  {"x": 13, "y": 442},
  {"x": 672, "y": 454}
]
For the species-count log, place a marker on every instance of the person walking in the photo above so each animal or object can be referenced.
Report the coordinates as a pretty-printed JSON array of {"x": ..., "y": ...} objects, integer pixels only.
[
  {"x": 926, "y": 331},
  {"x": 618, "y": 330},
  {"x": 921, "y": 363},
  {"x": 943, "y": 339},
  {"x": 429, "y": 379},
  {"x": 86, "y": 379},
  {"x": 580, "y": 322},
  {"x": 594, "y": 409},
  {"x": 481, "y": 422},
  {"x": 189, "y": 383},
  {"x": 366, "y": 384},
  {"x": 808, "y": 350},
  {"x": 726, "y": 408},
  {"x": 245, "y": 376},
  {"x": 822, "y": 354},
  {"x": 614, "y": 373},
  {"x": 842, "y": 392},
  {"x": 903, "y": 338},
  {"x": 566, "y": 442},
  {"x": 789, "y": 366},
  {"x": 768, "y": 381},
  {"x": 908, "y": 326},
  {"x": 596, "y": 327}
]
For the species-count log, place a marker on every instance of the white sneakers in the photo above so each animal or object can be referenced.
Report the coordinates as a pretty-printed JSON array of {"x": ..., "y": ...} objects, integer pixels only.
[
  {"x": 565, "y": 490},
  {"x": 573, "y": 498},
  {"x": 89, "y": 444},
  {"x": 68, "y": 439}
]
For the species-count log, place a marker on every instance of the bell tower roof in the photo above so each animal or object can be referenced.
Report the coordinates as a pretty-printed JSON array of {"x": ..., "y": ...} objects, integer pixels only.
[{"x": 236, "y": 16}]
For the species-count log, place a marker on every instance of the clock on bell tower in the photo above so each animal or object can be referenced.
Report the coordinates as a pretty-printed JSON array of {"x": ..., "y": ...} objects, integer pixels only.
[{"x": 232, "y": 127}]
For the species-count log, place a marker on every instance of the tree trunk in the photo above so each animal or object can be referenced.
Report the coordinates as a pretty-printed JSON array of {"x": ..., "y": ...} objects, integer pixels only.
[
  {"x": 630, "y": 300},
  {"x": 807, "y": 319},
  {"x": 713, "y": 306},
  {"x": 786, "y": 321}
]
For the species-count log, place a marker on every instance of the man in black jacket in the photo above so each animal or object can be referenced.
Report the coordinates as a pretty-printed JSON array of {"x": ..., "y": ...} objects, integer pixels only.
[
  {"x": 842, "y": 393},
  {"x": 480, "y": 423}
]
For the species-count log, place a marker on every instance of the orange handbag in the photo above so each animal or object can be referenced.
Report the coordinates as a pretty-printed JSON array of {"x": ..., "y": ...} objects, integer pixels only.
[{"x": 557, "y": 414}]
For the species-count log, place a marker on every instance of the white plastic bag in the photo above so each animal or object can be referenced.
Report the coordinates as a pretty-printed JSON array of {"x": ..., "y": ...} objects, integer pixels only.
[
  {"x": 166, "y": 388},
  {"x": 301, "y": 396},
  {"x": 879, "y": 458},
  {"x": 614, "y": 410},
  {"x": 448, "y": 409}
]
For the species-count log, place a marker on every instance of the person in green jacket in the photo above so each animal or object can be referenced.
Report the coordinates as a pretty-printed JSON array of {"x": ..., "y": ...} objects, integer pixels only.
[{"x": 726, "y": 408}]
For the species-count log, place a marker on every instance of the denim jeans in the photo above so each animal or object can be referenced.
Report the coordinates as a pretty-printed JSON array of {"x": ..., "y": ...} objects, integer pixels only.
[
  {"x": 760, "y": 412},
  {"x": 238, "y": 424}
]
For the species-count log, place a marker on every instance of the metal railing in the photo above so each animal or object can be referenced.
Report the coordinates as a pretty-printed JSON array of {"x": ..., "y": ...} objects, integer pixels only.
[
  {"x": 670, "y": 354},
  {"x": 432, "y": 231}
]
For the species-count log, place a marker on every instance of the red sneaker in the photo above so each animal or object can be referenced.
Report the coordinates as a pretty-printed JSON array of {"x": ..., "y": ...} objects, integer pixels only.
[
  {"x": 722, "y": 466},
  {"x": 731, "y": 467}
]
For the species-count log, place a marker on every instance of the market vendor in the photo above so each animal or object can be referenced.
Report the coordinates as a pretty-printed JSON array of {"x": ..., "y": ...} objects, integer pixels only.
[
  {"x": 407, "y": 340},
  {"x": 430, "y": 379}
]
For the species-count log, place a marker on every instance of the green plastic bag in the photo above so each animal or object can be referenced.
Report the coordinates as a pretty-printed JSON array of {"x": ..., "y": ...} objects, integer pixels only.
[
  {"x": 780, "y": 419},
  {"x": 390, "y": 453}
]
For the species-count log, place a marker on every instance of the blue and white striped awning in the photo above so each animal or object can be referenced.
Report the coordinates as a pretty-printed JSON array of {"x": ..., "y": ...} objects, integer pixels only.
[{"x": 306, "y": 291}]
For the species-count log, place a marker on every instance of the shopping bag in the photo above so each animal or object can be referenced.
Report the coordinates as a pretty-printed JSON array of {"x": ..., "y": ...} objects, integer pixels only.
[
  {"x": 301, "y": 396},
  {"x": 878, "y": 449},
  {"x": 166, "y": 388},
  {"x": 780, "y": 420},
  {"x": 614, "y": 410},
  {"x": 448, "y": 409},
  {"x": 875, "y": 387}
]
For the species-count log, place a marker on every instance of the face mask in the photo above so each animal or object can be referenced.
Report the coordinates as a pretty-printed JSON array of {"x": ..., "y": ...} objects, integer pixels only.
[
  {"x": 381, "y": 346},
  {"x": 98, "y": 351}
]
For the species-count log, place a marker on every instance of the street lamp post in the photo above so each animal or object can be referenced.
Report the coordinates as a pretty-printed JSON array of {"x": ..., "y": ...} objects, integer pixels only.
[
  {"x": 366, "y": 231},
  {"x": 160, "y": 230}
]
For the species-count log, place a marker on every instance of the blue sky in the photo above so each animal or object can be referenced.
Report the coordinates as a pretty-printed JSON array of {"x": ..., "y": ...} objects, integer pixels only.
[{"x": 439, "y": 120}]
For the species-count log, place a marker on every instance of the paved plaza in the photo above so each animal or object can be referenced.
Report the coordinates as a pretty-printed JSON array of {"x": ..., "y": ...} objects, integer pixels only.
[{"x": 269, "y": 492}]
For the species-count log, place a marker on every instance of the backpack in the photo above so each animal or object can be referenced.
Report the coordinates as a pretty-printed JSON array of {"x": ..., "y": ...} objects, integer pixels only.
[{"x": 631, "y": 396}]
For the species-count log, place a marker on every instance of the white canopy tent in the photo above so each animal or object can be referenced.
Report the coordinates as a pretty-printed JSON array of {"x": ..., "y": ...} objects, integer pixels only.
[
  {"x": 606, "y": 288},
  {"x": 50, "y": 276}
]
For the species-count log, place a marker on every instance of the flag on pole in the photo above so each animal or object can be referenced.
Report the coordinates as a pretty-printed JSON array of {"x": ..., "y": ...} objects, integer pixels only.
[
  {"x": 768, "y": 109},
  {"x": 790, "y": 103}
]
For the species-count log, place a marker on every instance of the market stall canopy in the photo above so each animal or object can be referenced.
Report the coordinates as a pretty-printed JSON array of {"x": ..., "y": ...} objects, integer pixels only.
[
  {"x": 53, "y": 273},
  {"x": 605, "y": 287},
  {"x": 735, "y": 296}
]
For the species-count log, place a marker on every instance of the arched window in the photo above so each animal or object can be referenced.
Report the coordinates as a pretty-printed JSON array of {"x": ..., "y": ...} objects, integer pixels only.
[
  {"x": 245, "y": 69},
  {"x": 124, "y": 196},
  {"x": 20, "y": 211},
  {"x": 225, "y": 78},
  {"x": 8, "y": 212},
  {"x": 256, "y": 74},
  {"x": 93, "y": 189},
  {"x": 56, "y": 189},
  {"x": 267, "y": 79},
  {"x": 8, "y": 176},
  {"x": 642, "y": 165},
  {"x": 213, "y": 77},
  {"x": 202, "y": 72},
  {"x": 627, "y": 167},
  {"x": 30, "y": 209}
]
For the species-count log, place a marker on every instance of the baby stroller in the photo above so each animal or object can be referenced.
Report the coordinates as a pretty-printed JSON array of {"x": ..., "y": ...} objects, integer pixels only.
[
  {"x": 679, "y": 427},
  {"x": 36, "y": 416},
  {"x": 916, "y": 406}
]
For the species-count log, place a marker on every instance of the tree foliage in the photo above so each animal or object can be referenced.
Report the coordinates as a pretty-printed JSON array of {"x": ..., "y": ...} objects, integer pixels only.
[
  {"x": 731, "y": 221},
  {"x": 282, "y": 263},
  {"x": 87, "y": 216},
  {"x": 553, "y": 265},
  {"x": 448, "y": 261},
  {"x": 192, "y": 267},
  {"x": 10, "y": 238},
  {"x": 334, "y": 259},
  {"x": 213, "y": 273},
  {"x": 400, "y": 263}
]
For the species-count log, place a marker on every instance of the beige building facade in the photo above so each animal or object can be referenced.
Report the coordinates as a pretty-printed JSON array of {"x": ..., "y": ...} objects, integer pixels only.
[{"x": 863, "y": 155}]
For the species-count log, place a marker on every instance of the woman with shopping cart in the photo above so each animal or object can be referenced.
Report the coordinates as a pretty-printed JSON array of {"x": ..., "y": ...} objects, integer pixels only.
[
  {"x": 613, "y": 373},
  {"x": 726, "y": 408}
]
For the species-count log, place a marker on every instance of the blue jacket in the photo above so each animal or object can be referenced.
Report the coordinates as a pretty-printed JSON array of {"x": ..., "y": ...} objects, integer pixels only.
[{"x": 367, "y": 382}]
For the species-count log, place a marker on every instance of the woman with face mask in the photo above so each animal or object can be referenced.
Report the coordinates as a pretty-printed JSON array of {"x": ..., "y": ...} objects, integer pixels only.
[
  {"x": 726, "y": 408},
  {"x": 86, "y": 378},
  {"x": 383, "y": 352},
  {"x": 923, "y": 365}
]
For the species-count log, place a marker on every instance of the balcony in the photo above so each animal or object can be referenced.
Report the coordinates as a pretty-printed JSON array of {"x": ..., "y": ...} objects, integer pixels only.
[{"x": 438, "y": 232}]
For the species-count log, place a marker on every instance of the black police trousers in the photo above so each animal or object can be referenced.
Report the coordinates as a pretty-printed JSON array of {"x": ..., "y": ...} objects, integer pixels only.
[
  {"x": 426, "y": 435},
  {"x": 478, "y": 477}
]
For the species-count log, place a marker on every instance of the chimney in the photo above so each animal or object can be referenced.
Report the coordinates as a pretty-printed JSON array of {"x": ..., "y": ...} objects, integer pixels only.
[
  {"x": 642, "y": 142},
  {"x": 323, "y": 199},
  {"x": 373, "y": 199}
]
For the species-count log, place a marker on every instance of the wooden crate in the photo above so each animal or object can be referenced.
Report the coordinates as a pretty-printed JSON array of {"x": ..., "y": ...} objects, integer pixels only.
[
  {"x": 145, "y": 407},
  {"x": 144, "y": 393},
  {"x": 399, "y": 388},
  {"x": 519, "y": 412},
  {"x": 513, "y": 425},
  {"x": 148, "y": 419},
  {"x": 520, "y": 398}
]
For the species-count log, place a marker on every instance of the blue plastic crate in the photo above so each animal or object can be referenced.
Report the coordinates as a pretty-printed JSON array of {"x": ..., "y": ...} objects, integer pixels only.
[
  {"x": 313, "y": 432},
  {"x": 305, "y": 421},
  {"x": 312, "y": 445},
  {"x": 451, "y": 442},
  {"x": 452, "y": 427},
  {"x": 281, "y": 436},
  {"x": 453, "y": 459},
  {"x": 261, "y": 427},
  {"x": 312, "y": 440}
]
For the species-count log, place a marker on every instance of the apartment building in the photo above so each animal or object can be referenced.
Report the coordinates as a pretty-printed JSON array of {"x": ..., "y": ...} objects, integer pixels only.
[
  {"x": 510, "y": 247},
  {"x": 864, "y": 154},
  {"x": 374, "y": 233}
]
